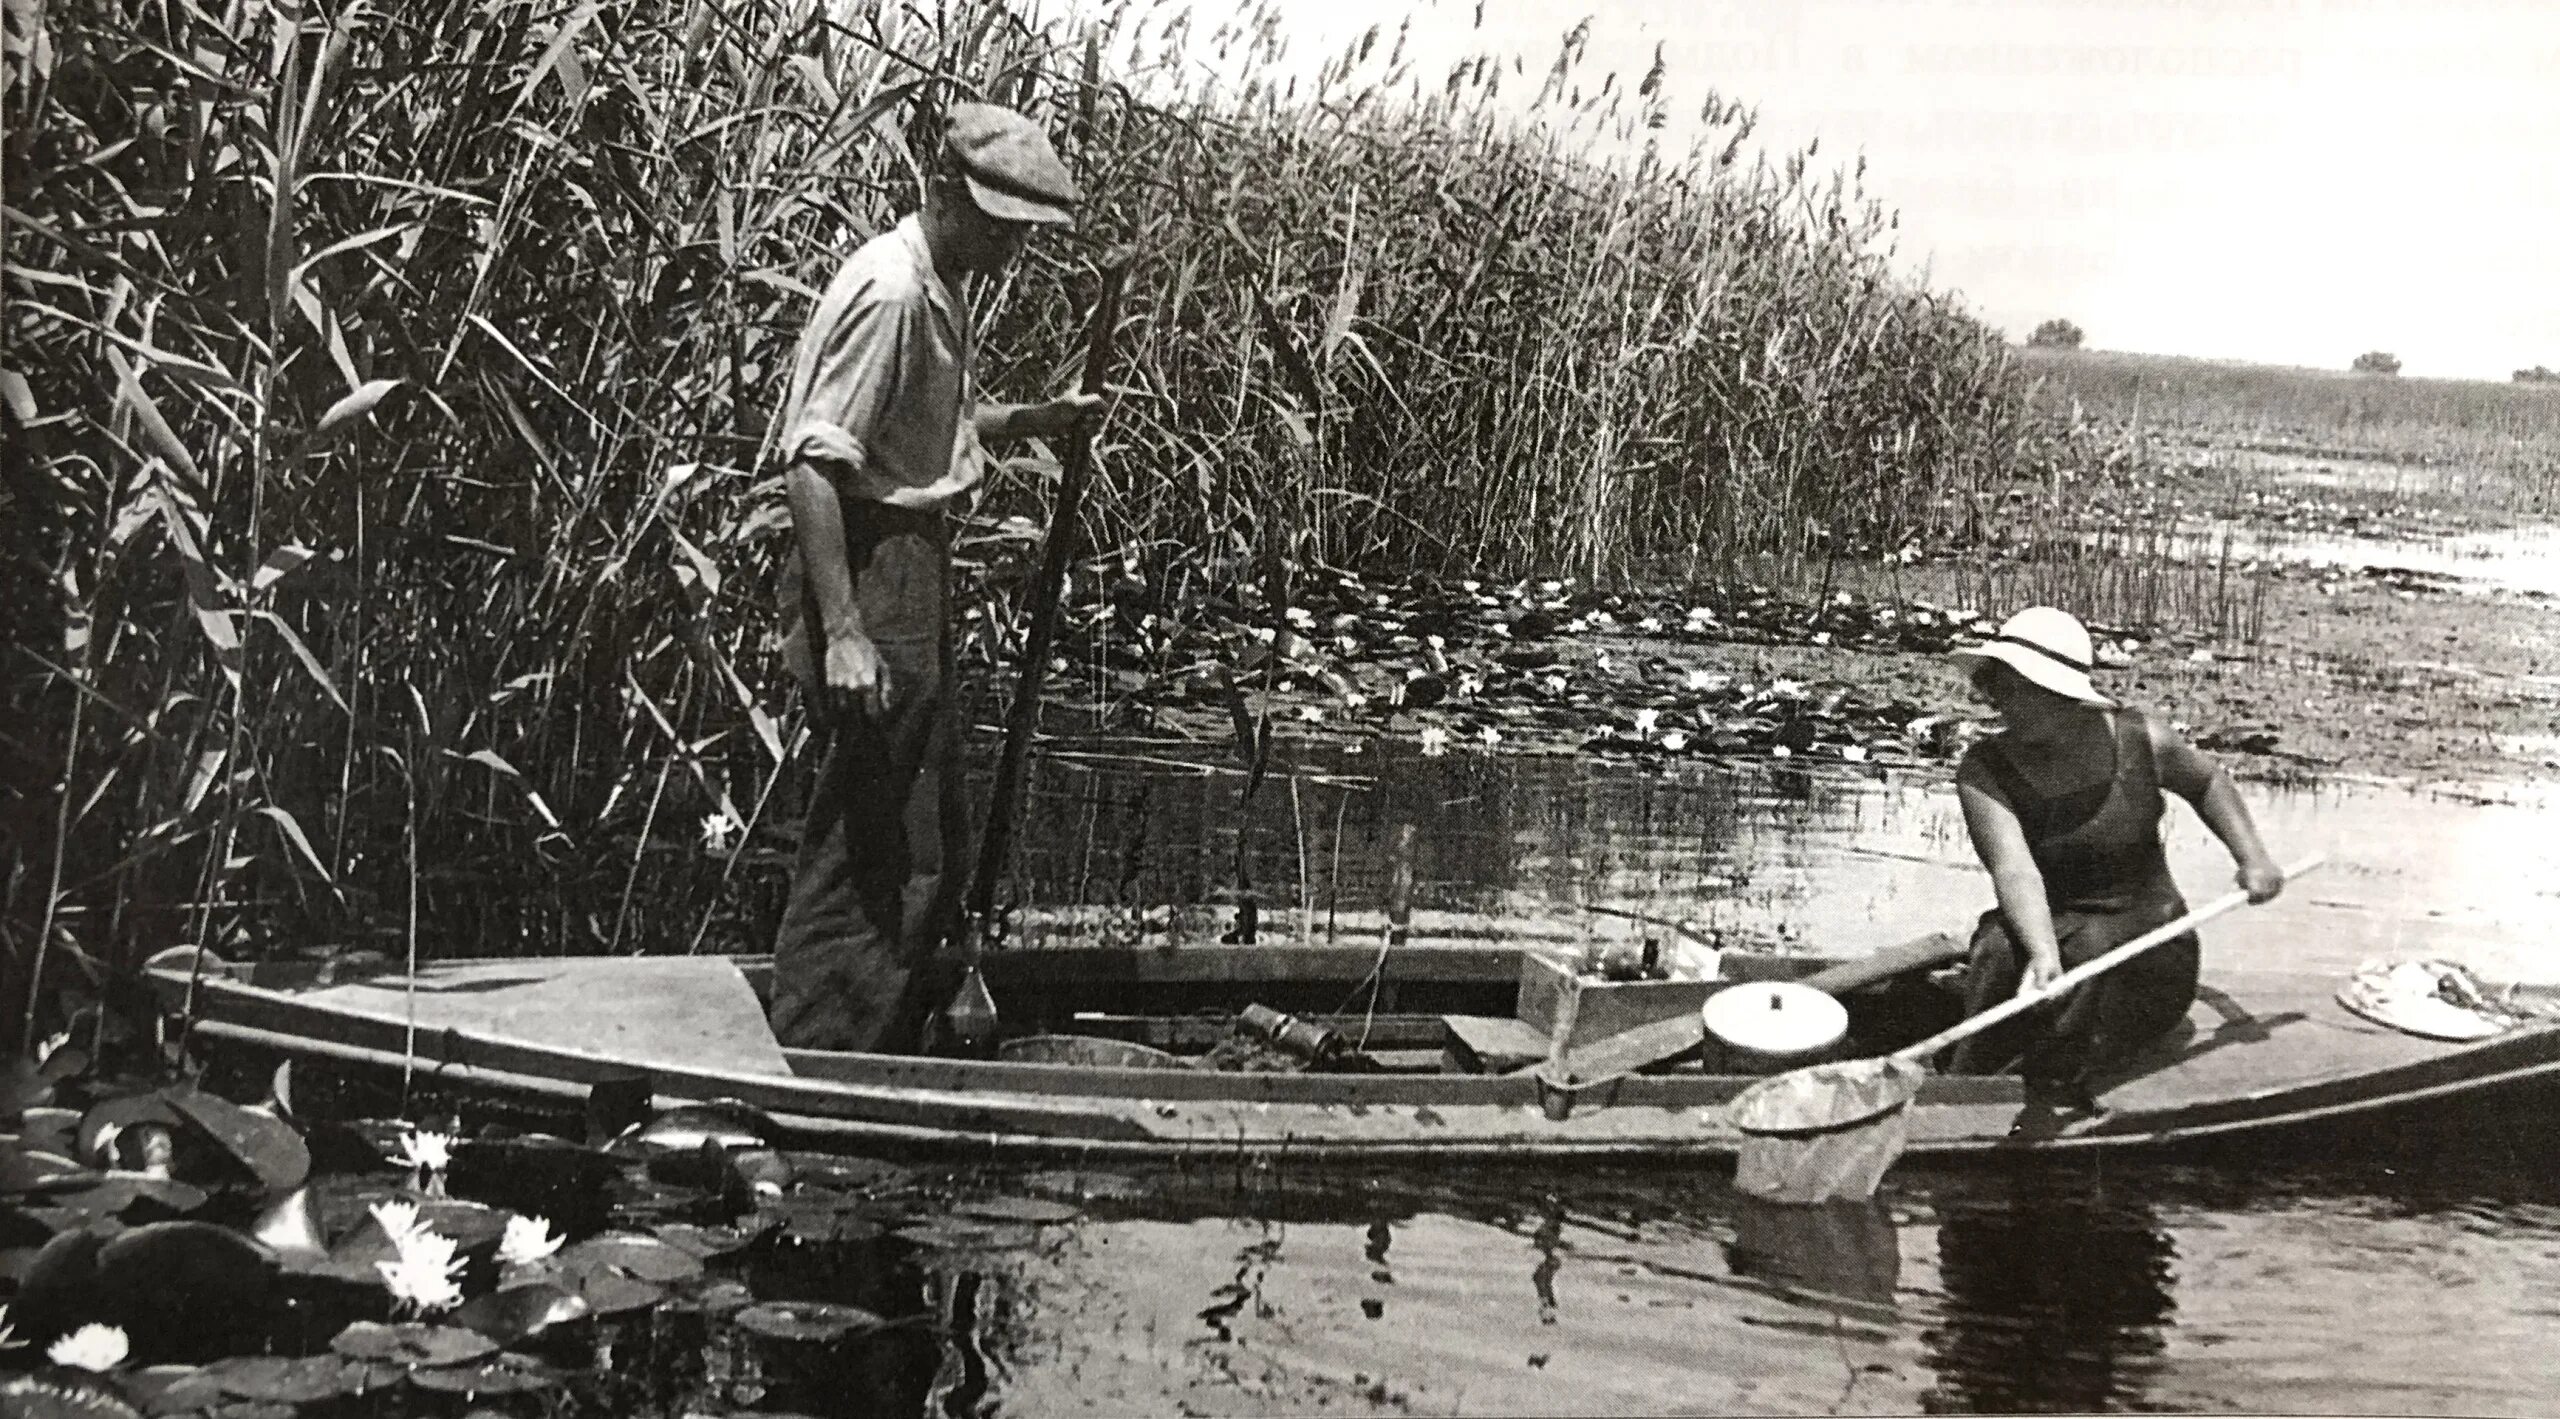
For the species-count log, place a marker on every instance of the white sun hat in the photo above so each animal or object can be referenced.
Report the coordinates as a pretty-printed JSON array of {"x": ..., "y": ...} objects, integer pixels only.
[{"x": 2047, "y": 646}]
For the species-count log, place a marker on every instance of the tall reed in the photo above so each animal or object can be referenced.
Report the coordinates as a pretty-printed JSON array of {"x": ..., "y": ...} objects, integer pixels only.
[{"x": 388, "y": 542}]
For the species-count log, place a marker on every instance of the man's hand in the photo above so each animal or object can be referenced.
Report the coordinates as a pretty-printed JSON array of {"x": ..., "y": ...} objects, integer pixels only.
[
  {"x": 2041, "y": 971},
  {"x": 2262, "y": 880},
  {"x": 1057, "y": 416},
  {"x": 856, "y": 682}
]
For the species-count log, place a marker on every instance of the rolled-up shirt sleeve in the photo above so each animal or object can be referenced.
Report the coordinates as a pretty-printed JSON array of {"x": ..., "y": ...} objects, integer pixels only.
[{"x": 852, "y": 363}]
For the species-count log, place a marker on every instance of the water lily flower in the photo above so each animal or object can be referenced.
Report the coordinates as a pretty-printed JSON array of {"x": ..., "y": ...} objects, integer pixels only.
[
  {"x": 54, "y": 1042},
  {"x": 1646, "y": 719},
  {"x": 716, "y": 832},
  {"x": 423, "y": 1277},
  {"x": 1854, "y": 753},
  {"x": 1435, "y": 741},
  {"x": 398, "y": 1219},
  {"x": 1605, "y": 664},
  {"x": 1312, "y": 714},
  {"x": 1703, "y": 680},
  {"x": 1555, "y": 684},
  {"x": 93, "y": 1347},
  {"x": 1301, "y": 617},
  {"x": 527, "y": 1240},
  {"x": 1469, "y": 685},
  {"x": 8, "y": 1333},
  {"x": 1650, "y": 625},
  {"x": 427, "y": 1153},
  {"x": 1675, "y": 740},
  {"x": 1489, "y": 736}
]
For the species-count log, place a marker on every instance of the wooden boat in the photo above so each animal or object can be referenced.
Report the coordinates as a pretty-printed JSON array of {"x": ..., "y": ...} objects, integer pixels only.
[{"x": 1438, "y": 1073}]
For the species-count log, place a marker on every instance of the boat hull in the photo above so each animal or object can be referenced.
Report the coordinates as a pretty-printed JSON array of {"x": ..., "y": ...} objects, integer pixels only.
[{"x": 2264, "y": 1052}]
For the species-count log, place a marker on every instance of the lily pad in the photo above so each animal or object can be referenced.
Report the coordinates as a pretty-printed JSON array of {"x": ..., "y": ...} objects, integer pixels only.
[
  {"x": 644, "y": 1197},
  {"x": 103, "y": 1125},
  {"x": 171, "y": 1389},
  {"x": 820, "y": 1218},
  {"x": 849, "y": 1174},
  {"x": 612, "y": 1293},
  {"x": 268, "y": 1147},
  {"x": 49, "y": 1127},
  {"x": 1086, "y": 1187},
  {"x": 702, "y": 1242},
  {"x": 26, "y": 1169},
  {"x": 62, "y": 1394},
  {"x": 809, "y": 1321},
  {"x": 59, "y": 1287},
  {"x": 720, "y": 1298},
  {"x": 412, "y": 1343},
  {"x": 499, "y": 1374},
  {"x": 632, "y": 1254},
  {"x": 172, "y": 1270},
  {"x": 282, "y": 1379},
  {"x": 1033, "y": 1210},
  {"x": 513, "y": 1313},
  {"x": 963, "y": 1235},
  {"x": 119, "y": 1194}
]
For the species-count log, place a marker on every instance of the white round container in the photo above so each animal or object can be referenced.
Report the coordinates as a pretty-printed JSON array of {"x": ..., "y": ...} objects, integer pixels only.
[{"x": 1773, "y": 1023}]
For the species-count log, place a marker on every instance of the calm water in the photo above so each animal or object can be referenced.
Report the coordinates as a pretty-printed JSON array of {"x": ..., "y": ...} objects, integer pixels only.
[{"x": 2418, "y": 1276}]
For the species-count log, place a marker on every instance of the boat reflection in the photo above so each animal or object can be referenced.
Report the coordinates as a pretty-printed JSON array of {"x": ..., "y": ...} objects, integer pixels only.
[{"x": 2057, "y": 1297}]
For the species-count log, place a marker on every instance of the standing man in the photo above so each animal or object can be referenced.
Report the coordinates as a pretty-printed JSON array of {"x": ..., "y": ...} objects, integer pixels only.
[{"x": 881, "y": 432}]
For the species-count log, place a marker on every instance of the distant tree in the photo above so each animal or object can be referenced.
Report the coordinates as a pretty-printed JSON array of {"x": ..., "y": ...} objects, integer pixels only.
[
  {"x": 2539, "y": 374},
  {"x": 2058, "y": 334},
  {"x": 2376, "y": 362}
]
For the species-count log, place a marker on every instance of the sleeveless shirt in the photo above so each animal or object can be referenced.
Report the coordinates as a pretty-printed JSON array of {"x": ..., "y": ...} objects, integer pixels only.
[{"x": 2098, "y": 847}]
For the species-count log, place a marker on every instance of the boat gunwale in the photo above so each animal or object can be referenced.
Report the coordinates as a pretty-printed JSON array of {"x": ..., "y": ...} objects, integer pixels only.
[
  {"x": 946, "y": 1139},
  {"x": 1067, "y": 1107}
]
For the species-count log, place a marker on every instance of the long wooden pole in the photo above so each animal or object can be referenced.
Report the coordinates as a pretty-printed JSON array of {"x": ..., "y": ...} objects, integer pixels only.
[{"x": 970, "y": 1018}]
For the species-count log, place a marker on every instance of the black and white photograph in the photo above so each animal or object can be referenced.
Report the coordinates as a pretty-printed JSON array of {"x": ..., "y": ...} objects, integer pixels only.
[{"x": 977, "y": 708}]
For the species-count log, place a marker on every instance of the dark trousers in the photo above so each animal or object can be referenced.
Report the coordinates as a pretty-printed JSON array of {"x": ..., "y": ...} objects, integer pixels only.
[
  {"x": 2066, "y": 1049},
  {"x": 856, "y": 965}
]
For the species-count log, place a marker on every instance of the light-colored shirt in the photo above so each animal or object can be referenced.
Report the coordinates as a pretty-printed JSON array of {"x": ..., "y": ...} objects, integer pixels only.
[
  {"x": 883, "y": 368},
  {"x": 882, "y": 375}
]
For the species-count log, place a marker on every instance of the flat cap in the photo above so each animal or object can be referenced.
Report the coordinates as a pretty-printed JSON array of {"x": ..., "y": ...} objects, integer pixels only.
[{"x": 1013, "y": 173}]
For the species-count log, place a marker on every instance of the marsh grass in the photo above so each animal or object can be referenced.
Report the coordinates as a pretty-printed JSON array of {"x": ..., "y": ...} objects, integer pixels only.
[
  {"x": 389, "y": 539},
  {"x": 2491, "y": 443}
]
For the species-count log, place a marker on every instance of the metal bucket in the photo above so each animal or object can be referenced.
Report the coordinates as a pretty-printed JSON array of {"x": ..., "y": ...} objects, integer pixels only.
[{"x": 1087, "y": 1050}]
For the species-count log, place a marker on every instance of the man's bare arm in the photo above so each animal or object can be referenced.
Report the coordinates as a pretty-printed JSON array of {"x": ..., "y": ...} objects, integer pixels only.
[{"x": 851, "y": 677}]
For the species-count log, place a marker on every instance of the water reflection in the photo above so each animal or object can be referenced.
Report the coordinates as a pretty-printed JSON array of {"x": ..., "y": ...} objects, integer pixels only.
[
  {"x": 1511, "y": 849},
  {"x": 1841, "y": 1251},
  {"x": 2056, "y": 1298}
]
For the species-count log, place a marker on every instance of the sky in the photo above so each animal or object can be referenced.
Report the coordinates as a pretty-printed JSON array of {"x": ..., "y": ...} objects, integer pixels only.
[{"x": 2282, "y": 181}]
